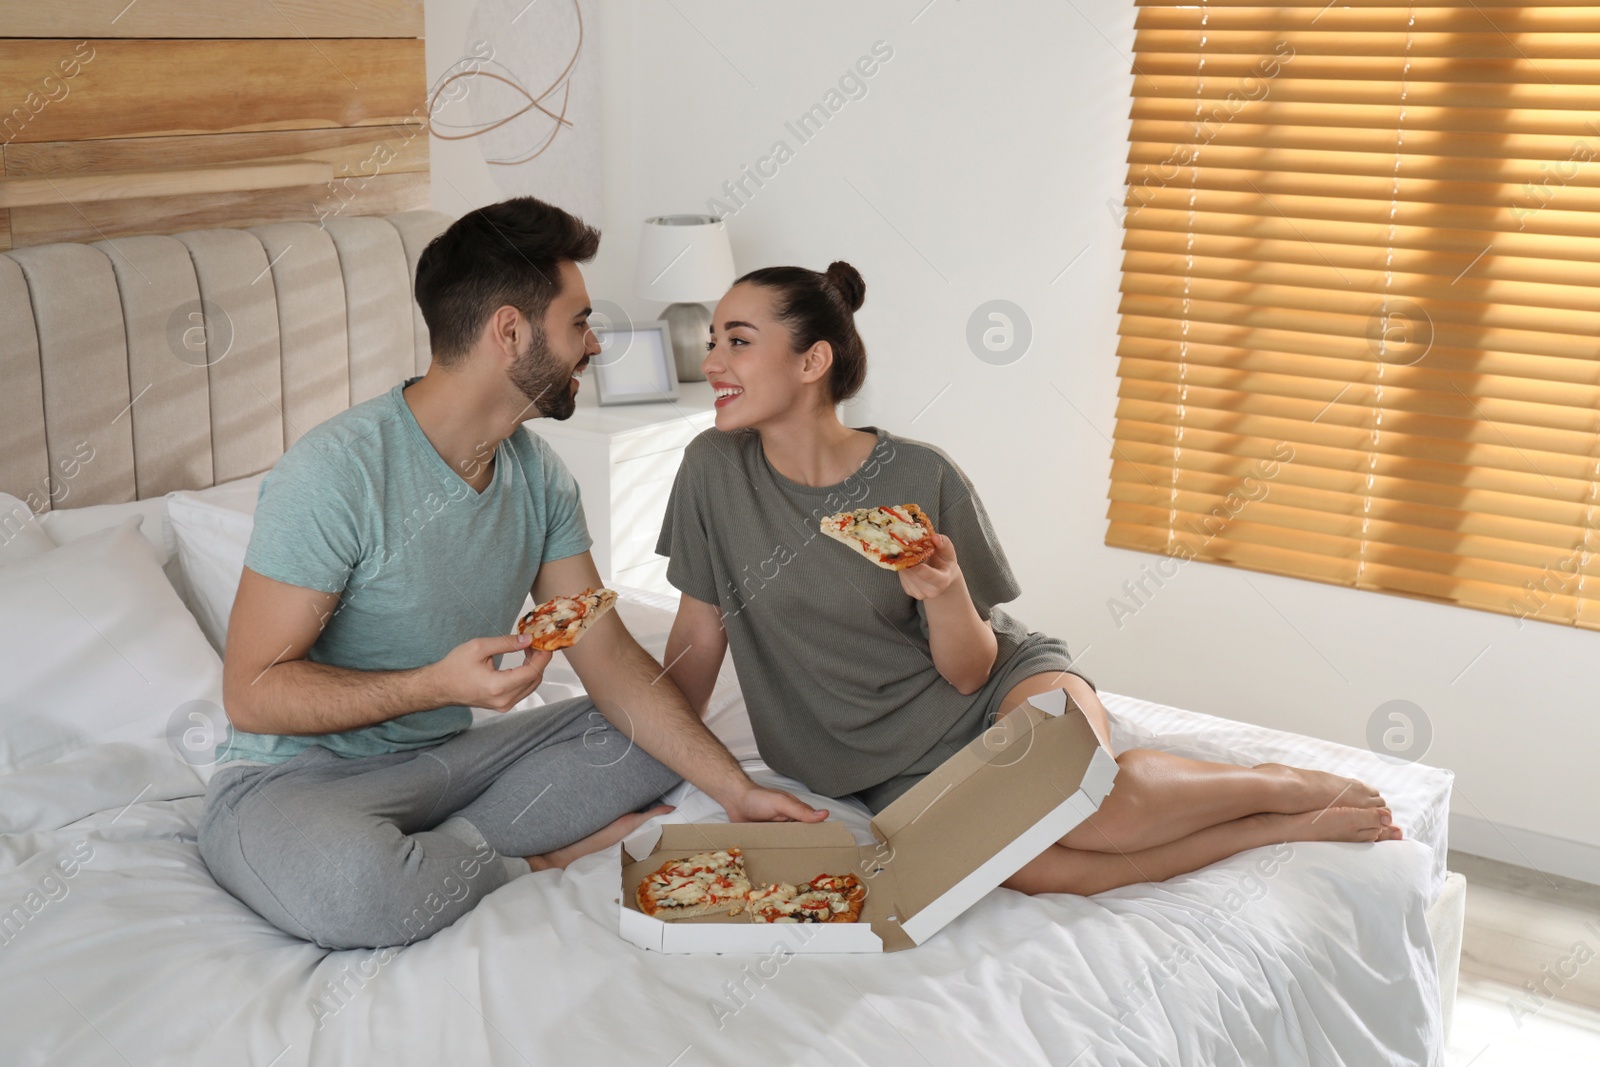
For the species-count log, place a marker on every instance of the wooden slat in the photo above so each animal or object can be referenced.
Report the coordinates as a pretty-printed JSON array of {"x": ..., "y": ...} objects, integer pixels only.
[
  {"x": 1534, "y": 46},
  {"x": 1237, "y": 390},
  {"x": 1491, "y": 97},
  {"x": 1235, "y": 319},
  {"x": 144, "y": 184},
  {"x": 1571, "y": 365},
  {"x": 1360, "y": 217},
  {"x": 1410, "y": 189},
  {"x": 1386, "y": 20},
  {"x": 1263, "y": 523},
  {"x": 1316, "y": 5},
  {"x": 129, "y": 88},
  {"x": 1469, "y": 69},
  {"x": 1493, "y": 537},
  {"x": 382, "y": 195},
  {"x": 1371, "y": 116},
  {"x": 1446, "y": 486},
  {"x": 1170, "y": 248},
  {"x": 233, "y": 18},
  {"x": 1548, "y": 453},
  {"x": 1478, "y": 305},
  {"x": 1438, "y": 372},
  {"x": 1144, "y": 439},
  {"x": 1445, "y": 235},
  {"x": 399, "y": 149},
  {"x": 1244, "y": 130}
]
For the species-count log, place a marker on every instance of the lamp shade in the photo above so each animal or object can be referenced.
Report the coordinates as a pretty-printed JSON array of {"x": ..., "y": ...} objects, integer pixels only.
[{"x": 683, "y": 258}]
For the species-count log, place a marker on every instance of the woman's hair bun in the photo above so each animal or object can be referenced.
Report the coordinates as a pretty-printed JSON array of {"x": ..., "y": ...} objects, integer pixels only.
[{"x": 848, "y": 282}]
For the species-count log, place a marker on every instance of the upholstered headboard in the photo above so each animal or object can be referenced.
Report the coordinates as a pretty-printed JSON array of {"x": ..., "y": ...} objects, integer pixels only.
[{"x": 136, "y": 366}]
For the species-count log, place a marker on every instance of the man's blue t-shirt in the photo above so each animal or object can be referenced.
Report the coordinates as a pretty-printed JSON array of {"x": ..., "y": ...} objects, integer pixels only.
[{"x": 364, "y": 506}]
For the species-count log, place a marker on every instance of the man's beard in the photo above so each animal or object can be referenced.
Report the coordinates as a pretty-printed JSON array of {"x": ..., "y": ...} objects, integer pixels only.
[{"x": 542, "y": 380}]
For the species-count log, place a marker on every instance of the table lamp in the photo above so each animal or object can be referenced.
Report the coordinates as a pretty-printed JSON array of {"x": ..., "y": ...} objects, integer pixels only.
[{"x": 684, "y": 260}]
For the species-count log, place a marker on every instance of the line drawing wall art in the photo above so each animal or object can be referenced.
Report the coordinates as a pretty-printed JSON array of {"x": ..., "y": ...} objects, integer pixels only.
[{"x": 528, "y": 95}]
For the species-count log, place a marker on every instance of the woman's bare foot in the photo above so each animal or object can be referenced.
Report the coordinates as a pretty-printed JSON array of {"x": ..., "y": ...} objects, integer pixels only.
[
  {"x": 602, "y": 838},
  {"x": 1334, "y": 824},
  {"x": 1302, "y": 789}
]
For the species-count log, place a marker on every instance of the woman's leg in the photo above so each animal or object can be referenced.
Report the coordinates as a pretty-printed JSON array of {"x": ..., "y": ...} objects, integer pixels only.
[
  {"x": 1068, "y": 870},
  {"x": 1159, "y": 797}
]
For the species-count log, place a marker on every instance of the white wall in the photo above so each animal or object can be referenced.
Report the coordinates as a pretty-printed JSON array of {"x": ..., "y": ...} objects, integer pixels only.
[{"x": 978, "y": 166}]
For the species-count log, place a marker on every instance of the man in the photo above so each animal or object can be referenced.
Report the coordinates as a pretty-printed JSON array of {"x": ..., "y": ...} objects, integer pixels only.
[{"x": 392, "y": 549}]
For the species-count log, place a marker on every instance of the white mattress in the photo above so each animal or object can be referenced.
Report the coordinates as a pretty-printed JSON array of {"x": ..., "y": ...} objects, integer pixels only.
[
  {"x": 1418, "y": 795},
  {"x": 141, "y": 958}
]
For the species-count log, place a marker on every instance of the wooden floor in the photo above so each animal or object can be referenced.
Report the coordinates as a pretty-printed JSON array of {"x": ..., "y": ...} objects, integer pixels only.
[{"x": 1530, "y": 969}]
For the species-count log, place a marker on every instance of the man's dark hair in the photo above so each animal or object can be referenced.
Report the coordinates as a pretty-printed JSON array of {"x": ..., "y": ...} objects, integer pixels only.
[{"x": 505, "y": 253}]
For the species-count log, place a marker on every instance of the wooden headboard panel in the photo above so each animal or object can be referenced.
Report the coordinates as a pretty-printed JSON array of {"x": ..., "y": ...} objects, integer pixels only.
[
  {"x": 121, "y": 118},
  {"x": 136, "y": 366}
]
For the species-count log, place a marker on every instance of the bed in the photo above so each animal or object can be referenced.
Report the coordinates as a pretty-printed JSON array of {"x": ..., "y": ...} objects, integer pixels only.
[{"x": 117, "y": 947}]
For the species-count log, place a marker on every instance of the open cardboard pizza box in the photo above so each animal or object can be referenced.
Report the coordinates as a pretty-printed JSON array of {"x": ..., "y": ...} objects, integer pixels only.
[{"x": 942, "y": 846}]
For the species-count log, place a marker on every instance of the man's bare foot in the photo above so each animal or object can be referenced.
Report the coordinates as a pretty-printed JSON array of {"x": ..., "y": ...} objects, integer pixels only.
[
  {"x": 602, "y": 838},
  {"x": 1302, "y": 789},
  {"x": 1334, "y": 824}
]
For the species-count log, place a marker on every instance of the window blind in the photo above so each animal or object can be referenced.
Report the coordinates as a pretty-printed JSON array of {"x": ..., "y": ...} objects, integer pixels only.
[{"x": 1360, "y": 298}]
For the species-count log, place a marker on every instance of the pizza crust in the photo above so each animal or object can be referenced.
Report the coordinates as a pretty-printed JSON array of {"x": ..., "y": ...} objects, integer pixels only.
[
  {"x": 561, "y": 620},
  {"x": 865, "y": 530},
  {"x": 703, "y": 884}
]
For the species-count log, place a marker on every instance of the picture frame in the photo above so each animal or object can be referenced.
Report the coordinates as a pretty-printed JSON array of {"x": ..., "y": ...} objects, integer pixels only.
[{"x": 635, "y": 364}]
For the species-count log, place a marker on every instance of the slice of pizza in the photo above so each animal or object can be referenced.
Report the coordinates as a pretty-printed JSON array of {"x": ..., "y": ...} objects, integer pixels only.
[
  {"x": 770, "y": 903},
  {"x": 702, "y": 884},
  {"x": 827, "y": 898},
  {"x": 560, "y": 621},
  {"x": 892, "y": 537}
]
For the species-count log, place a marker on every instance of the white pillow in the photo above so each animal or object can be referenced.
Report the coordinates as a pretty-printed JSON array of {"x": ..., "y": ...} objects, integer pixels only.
[
  {"x": 100, "y": 601},
  {"x": 65, "y": 525},
  {"x": 239, "y": 494},
  {"x": 212, "y": 530},
  {"x": 21, "y": 534}
]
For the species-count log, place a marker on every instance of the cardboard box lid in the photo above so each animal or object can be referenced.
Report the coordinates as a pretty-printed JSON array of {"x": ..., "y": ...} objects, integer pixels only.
[
  {"x": 989, "y": 809},
  {"x": 967, "y": 827},
  {"x": 689, "y": 838}
]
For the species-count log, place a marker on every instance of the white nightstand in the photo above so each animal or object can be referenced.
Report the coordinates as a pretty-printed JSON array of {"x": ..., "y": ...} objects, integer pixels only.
[{"x": 624, "y": 458}]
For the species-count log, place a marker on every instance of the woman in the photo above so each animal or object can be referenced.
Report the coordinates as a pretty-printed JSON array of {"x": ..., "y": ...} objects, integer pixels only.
[{"x": 860, "y": 680}]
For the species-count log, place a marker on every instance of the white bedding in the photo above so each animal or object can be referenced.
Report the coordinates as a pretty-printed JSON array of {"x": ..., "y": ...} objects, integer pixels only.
[{"x": 138, "y": 957}]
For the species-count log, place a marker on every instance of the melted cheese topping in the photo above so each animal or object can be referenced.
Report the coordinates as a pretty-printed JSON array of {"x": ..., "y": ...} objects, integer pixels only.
[
  {"x": 704, "y": 878},
  {"x": 787, "y": 903},
  {"x": 558, "y": 613},
  {"x": 887, "y": 531}
]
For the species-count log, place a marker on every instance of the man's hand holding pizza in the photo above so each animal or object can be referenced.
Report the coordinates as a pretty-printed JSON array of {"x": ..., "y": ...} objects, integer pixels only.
[{"x": 467, "y": 674}]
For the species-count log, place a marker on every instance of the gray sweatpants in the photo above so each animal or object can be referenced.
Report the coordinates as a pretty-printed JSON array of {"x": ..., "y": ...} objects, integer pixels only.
[{"x": 385, "y": 850}]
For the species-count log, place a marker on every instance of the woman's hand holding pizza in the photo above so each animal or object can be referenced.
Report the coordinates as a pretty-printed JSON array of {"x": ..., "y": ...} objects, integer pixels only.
[{"x": 933, "y": 575}]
